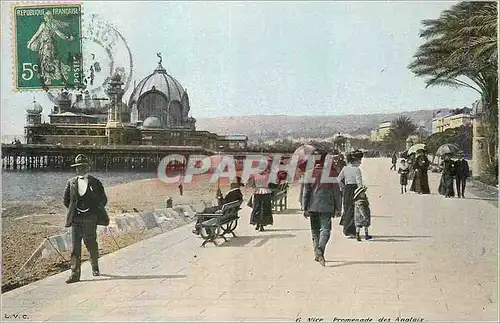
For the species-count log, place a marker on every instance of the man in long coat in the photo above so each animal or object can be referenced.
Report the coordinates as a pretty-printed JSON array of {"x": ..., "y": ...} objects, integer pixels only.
[
  {"x": 318, "y": 202},
  {"x": 85, "y": 199}
]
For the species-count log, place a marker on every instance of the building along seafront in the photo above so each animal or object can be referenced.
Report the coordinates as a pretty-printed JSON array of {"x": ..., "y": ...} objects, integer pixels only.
[
  {"x": 450, "y": 119},
  {"x": 155, "y": 121},
  {"x": 383, "y": 129}
]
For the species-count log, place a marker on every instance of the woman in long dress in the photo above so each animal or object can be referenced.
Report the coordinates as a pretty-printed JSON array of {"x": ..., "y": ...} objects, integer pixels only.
[
  {"x": 261, "y": 200},
  {"x": 446, "y": 184},
  {"x": 44, "y": 42},
  {"x": 262, "y": 211},
  {"x": 420, "y": 182},
  {"x": 350, "y": 179}
]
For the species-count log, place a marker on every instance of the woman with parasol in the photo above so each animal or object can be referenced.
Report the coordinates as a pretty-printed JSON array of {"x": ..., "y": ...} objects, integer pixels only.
[
  {"x": 449, "y": 169},
  {"x": 420, "y": 167},
  {"x": 446, "y": 184}
]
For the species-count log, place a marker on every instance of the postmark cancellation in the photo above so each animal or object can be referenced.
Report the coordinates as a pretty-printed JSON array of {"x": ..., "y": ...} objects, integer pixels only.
[{"x": 47, "y": 46}]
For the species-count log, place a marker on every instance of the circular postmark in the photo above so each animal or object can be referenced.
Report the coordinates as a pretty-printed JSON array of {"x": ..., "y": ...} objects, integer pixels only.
[{"x": 105, "y": 53}]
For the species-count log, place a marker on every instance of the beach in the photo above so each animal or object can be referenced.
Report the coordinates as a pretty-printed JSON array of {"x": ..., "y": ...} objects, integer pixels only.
[{"x": 26, "y": 224}]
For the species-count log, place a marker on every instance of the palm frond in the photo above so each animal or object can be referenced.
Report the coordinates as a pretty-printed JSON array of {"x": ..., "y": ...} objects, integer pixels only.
[{"x": 460, "y": 48}]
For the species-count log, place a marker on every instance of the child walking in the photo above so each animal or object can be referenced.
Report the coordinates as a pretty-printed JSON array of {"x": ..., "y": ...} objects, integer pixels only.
[
  {"x": 403, "y": 172},
  {"x": 362, "y": 217}
]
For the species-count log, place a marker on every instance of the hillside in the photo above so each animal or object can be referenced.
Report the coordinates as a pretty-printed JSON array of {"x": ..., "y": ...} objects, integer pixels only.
[
  {"x": 280, "y": 126},
  {"x": 262, "y": 127}
]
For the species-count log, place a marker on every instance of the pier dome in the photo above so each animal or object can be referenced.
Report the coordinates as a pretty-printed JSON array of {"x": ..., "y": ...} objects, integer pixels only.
[
  {"x": 160, "y": 95},
  {"x": 34, "y": 108},
  {"x": 152, "y": 122}
]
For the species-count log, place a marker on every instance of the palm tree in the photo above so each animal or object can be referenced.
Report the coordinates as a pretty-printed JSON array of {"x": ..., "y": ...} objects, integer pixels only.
[
  {"x": 401, "y": 128},
  {"x": 461, "y": 50}
]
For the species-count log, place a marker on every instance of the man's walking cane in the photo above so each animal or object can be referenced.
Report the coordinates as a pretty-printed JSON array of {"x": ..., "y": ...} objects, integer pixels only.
[{"x": 108, "y": 229}]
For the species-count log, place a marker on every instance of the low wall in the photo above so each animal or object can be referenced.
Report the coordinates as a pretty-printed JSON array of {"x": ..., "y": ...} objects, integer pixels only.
[
  {"x": 122, "y": 223},
  {"x": 485, "y": 187}
]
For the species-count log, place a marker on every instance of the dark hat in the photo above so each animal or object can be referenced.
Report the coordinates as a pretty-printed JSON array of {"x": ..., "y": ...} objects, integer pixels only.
[
  {"x": 237, "y": 182},
  {"x": 359, "y": 190},
  {"x": 320, "y": 150},
  {"x": 349, "y": 157},
  {"x": 80, "y": 160},
  {"x": 322, "y": 153},
  {"x": 357, "y": 154}
]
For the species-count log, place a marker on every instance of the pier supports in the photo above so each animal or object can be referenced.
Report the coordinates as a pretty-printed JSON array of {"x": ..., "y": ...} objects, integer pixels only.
[
  {"x": 103, "y": 158},
  {"x": 124, "y": 161}
]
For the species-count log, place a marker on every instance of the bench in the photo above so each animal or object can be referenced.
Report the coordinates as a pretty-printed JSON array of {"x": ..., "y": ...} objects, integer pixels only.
[
  {"x": 220, "y": 223},
  {"x": 280, "y": 198}
]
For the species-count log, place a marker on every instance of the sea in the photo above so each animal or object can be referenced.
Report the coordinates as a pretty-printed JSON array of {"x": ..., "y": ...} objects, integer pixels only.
[
  {"x": 40, "y": 185},
  {"x": 29, "y": 185}
]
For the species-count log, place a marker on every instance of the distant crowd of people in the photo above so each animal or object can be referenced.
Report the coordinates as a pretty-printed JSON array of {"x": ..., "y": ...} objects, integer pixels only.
[
  {"x": 454, "y": 170},
  {"x": 417, "y": 166}
]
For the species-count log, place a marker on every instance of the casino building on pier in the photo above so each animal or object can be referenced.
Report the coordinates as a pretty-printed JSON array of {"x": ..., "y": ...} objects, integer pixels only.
[{"x": 157, "y": 114}]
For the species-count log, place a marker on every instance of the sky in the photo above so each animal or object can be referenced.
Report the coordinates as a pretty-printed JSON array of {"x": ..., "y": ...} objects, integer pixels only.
[{"x": 266, "y": 58}]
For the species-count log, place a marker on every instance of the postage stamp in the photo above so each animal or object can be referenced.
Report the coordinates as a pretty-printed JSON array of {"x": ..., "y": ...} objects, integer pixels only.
[{"x": 47, "y": 46}]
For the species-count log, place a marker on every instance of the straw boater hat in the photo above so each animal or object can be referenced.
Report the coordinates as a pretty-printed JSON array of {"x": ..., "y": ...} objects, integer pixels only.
[
  {"x": 359, "y": 190},
  {"x": 81, "y": 160}
]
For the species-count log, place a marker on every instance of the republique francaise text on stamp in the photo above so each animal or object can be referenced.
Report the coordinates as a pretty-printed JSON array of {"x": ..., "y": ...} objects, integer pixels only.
[{"x": 47, "y": 46}]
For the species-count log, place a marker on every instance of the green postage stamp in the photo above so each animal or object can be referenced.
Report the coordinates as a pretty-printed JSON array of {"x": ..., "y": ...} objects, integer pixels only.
[{"x": 47, "y": 46}]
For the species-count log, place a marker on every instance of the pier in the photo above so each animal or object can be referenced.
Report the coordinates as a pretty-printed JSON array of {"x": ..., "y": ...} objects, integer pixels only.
[
  {"x": 53, "y": 157},
  {"x": 103, "y": 158}
]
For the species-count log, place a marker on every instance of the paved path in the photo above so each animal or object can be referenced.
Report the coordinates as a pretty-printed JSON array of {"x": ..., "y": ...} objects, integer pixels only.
[{"x": 431, "y": 258}]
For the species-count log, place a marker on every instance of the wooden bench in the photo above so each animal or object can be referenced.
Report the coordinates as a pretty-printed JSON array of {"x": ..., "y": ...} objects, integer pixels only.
[
  {"x": 220, "y": 223},
  {"x": 280, "y": 198}
]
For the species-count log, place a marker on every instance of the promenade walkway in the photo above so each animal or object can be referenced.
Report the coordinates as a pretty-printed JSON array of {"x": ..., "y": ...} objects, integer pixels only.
[{"x": 431, "y": 258}]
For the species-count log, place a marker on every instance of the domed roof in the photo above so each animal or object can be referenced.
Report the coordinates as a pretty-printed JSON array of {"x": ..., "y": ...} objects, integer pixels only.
[
  {"x": 34, "y": 108},
  {"x": 160, "y": 81},
  {"x": 152, "y": 122},
  {"x": 339, "y": 138}
]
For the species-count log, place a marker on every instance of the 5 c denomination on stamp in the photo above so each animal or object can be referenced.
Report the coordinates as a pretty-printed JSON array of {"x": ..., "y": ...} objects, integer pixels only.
[{"x": 47, "y": 46}]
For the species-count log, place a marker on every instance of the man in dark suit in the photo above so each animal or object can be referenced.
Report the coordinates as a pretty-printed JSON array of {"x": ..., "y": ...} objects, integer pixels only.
[
  {"x": 85, "y": 199},
  {"x": 318, "y": 202},
  {"x": 462, "y": 173},
  {"x": 394, "y": 161},
  {"x": 234, "y": 194}
]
